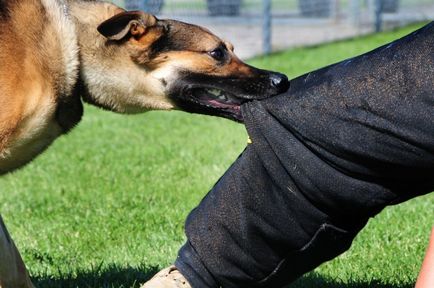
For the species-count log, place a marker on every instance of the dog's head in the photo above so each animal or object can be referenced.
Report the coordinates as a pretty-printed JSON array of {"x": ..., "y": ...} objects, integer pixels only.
[{"x": 191, "y": 68}]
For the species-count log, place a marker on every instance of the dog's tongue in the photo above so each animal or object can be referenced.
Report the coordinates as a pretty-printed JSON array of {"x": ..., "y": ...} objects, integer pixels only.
[{"x": 223, "y": 105}]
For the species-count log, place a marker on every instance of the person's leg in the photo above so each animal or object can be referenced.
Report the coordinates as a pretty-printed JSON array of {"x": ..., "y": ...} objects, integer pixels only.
[
  {"x": 256, "y": 229},
  {"x": 13, "y": 273}
]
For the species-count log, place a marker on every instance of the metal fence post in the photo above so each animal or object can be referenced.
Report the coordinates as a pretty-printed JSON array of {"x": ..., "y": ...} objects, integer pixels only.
[
  {"x": 266, "y": 26},
  {"x": 378, "y": 11},
  {"x": 355, "y": 12},
  {"x": 335, "y": 10}
]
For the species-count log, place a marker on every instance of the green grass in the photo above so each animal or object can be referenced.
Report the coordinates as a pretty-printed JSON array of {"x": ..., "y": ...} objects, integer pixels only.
[{"x": 105, "y": 206}]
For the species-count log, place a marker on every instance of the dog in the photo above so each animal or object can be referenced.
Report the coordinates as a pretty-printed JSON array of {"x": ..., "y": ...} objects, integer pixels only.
[{"x": 56, "y": 53}]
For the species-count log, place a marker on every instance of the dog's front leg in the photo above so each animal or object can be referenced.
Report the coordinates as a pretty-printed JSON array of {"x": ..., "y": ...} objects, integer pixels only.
[{"x": 13, "y": 272}]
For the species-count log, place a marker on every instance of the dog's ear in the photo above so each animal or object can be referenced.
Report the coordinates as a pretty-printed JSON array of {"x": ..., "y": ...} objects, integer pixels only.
[{"x": 119, "y": 26}]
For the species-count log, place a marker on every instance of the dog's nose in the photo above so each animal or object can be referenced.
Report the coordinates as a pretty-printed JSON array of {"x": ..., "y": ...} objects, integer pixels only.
[{"x": 280, "y": 82}]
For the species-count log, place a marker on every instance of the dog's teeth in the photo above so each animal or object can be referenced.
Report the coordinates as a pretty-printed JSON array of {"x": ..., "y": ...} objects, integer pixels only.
[{"x": 215, "y": 92}]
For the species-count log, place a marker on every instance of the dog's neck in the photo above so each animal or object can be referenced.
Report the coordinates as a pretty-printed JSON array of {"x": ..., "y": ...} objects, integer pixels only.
[
  {"x": 108, "y": 78},
  {"x": 86, "y": 17}
]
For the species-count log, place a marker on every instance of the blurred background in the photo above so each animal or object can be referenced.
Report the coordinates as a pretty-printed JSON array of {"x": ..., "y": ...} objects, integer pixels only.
[
  {"x": 257, "y": 27},
  {"x": 106, "y": 205}
]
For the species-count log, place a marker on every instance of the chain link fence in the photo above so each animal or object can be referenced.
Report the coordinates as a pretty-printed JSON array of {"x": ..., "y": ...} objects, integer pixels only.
[{"x": 261, "y": 26}]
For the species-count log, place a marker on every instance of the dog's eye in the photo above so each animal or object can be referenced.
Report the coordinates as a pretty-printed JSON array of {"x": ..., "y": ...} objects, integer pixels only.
[{"x": 218, "y": 54}]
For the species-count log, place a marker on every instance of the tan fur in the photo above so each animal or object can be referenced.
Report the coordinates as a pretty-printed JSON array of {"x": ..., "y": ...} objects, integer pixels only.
[
  {"x": 40, "y": 63},
  {"x": 29, "y": 83},
  {"x": 203, "y": 64},
  {"x": 119, "y": 84}
]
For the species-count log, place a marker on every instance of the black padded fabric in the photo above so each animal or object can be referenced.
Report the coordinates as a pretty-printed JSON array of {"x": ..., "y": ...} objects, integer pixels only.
[{"x": 343, "y": 143}]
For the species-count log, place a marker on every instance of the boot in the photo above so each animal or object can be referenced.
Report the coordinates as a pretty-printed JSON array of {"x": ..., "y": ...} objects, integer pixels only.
[{"x": 167, "y": 278}]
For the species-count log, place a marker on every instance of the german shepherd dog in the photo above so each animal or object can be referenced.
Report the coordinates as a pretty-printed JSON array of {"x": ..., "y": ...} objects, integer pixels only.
[{"x": 54, "y": 53}]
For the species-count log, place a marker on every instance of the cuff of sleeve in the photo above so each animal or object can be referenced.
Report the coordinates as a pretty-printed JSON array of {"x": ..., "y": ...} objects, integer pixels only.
[{"x": 192, "y": 268}]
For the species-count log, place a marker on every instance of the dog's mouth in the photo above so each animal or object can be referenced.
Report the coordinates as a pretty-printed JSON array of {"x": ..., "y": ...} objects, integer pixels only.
[
  {"x": 212, "y": 101},
  {"x": 216, "y": 98}
]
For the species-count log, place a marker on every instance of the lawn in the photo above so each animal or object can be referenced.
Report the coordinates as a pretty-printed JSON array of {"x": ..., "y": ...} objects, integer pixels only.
[{"x": 105, "y": 206}]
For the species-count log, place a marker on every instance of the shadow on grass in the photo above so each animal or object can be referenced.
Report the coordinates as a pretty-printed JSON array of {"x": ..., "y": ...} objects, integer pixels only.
[
  {"x": 314, "y": 280},
  {"x": 112, "y": 276},
  {"x": 129, "y": 277}
]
